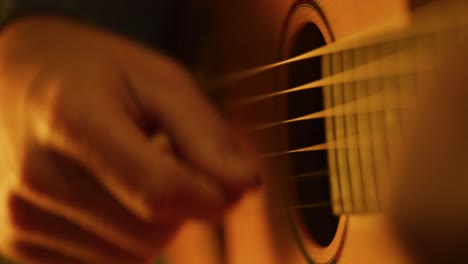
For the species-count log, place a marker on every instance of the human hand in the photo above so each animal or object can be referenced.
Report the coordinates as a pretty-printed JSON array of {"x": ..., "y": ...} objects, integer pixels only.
[{"x": 106, "y": 147}]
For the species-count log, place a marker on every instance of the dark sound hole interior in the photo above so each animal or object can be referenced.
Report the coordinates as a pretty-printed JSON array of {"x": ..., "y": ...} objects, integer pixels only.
[{"x": 319, "y": 223}]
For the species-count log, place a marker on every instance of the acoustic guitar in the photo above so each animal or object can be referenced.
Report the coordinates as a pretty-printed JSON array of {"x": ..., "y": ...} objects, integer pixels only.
[
  {"x": 326, "y": 103},
  {"x": 354, "y": 111}
]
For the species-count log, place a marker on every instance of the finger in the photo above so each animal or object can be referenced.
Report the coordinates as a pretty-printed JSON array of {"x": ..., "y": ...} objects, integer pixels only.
[
  {"x": 168, "y": 95},
  {"x": 26, "y": 253},
  {"x": 38, "y": 227},
  {"x": 58, "y": 184},
  {"x": 148, "y": 181}
]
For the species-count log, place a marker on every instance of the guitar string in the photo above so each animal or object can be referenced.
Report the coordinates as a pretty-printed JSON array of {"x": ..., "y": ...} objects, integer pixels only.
[
  {"x": 306, "y": 206},
  {"x": 329, "y": 49},
  {"x": 331, "y": 112},
  {"x": 314, "y": 205},
  {"x": 348, "y": 200},
  {"x": 344, "y": 110},
  {"x": 329, "y": 145},
  {"x": 427, "y": 25},
  {"x": 308, "y": 175},
  {"x": 387, "y": 68}
]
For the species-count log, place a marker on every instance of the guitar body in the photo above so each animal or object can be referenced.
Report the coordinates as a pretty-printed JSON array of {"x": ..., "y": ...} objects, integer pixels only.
[
  {"x": 268, "y": 226},
  {"x": 256, "y": 231}
]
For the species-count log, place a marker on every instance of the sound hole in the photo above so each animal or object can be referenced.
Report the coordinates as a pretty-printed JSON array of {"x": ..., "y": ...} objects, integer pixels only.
[{"x": 319, "y": 223}]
